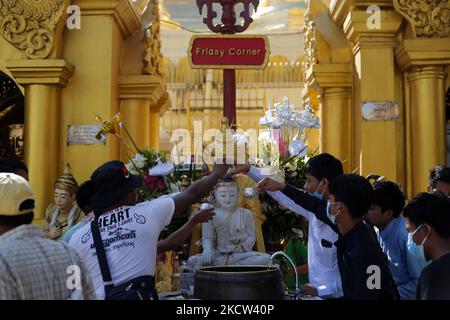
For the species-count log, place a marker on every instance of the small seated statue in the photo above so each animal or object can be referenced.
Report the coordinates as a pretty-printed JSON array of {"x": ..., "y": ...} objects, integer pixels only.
[
  {"x": 228, "y": 239},
  {"x": 64, "y": 213}
]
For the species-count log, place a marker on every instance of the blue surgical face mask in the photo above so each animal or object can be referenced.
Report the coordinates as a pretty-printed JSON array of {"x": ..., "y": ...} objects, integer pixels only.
[
  {"x": 414, "y": 249},
  {"x": 419, "y": 251},
  {"x": 330, "y": 215},
  {"x": 317, "y": 194}
]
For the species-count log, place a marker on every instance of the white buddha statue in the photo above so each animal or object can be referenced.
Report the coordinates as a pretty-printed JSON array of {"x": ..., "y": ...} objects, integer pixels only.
[{"x": 229, "y": 238}]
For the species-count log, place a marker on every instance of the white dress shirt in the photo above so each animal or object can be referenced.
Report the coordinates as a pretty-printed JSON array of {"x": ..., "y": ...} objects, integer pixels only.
[{"x": 323, "y": 270}]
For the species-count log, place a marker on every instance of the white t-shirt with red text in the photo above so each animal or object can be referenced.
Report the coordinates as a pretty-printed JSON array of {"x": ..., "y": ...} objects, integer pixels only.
[{"x": 130, "y": 236}]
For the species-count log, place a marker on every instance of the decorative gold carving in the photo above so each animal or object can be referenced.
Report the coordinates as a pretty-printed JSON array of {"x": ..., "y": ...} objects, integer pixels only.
[
  {"x": 310, "y": 57},
  {"x": 310, "y": 42},
  {"x": 30, "y": 25},
  {"x": 153, "y": 60},
  {"x": 428, "y": 18}
]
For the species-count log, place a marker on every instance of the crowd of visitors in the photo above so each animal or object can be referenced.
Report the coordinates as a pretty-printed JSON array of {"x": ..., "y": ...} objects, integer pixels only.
[{"x": 365, "y": 240}]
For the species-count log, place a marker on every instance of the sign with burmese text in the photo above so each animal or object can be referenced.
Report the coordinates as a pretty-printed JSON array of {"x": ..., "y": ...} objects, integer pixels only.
[
  {"x": 380, "y": 111},
  {"x": 84, "y": 134},
  {"x": 229, "y": 52}
]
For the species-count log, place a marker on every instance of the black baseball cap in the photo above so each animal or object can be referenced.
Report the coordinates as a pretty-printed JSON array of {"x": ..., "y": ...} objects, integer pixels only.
[{"x": 112, "y": 181}]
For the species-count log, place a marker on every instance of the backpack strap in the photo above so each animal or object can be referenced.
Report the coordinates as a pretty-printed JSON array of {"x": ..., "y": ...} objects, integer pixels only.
[{"x": 101, "y": 256}]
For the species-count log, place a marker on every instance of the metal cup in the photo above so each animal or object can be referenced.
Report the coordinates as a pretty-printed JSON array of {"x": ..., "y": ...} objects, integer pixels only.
[
  {"x": 205, "y": 206},
  {"x": 250, "y": 192}
]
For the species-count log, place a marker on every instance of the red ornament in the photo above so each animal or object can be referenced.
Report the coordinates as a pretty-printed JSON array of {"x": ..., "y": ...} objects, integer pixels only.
[
  {"x": 126, "y": 173},
  {"x": 228, "y": 25}
]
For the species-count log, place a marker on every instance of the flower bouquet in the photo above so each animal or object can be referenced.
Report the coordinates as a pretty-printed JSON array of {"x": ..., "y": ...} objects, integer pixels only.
[
  {"x": 288, "y": 129},
  {"x": 283, "y": 155},
  {"x": 158, "y": 183}
]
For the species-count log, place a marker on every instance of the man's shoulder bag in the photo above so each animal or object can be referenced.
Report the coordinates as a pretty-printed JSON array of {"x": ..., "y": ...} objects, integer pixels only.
[{"x": 140, "y": 288}]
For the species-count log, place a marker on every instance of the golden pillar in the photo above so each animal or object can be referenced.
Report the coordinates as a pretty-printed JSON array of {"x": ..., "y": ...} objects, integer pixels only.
[
  {"x": 428, "y": 122},
  {"x": 425, "y": 62},
  {"x": 335, "y": 133},
  {"x": 99, "y": 50},
  {"x": 335, "y": 81},
  {"x": 157, "y": 110},
  {"x": 139, "y": 94},
  {"x": 154, "y": 125},
  {"x": 380, "y": 148},
  {"x": 43, "y": 81},
  {"x": 36, "y": 31}
]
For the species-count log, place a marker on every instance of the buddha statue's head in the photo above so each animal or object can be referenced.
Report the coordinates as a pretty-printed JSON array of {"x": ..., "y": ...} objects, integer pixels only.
[{"x": 227, "y": 193}]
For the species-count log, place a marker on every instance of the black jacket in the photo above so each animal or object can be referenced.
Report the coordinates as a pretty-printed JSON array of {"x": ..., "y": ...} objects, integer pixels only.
[
  {"x": 363, "y": 266},
  {"x": 434, "y": 283},
  {"x": 356, "y": 252}
]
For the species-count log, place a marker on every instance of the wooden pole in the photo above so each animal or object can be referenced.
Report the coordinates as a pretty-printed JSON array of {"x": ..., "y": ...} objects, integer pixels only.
[{"x": 229, "y": 96}]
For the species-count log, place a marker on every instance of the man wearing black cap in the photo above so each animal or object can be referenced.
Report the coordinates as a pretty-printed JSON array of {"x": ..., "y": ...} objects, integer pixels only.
[{"x": 130, "y": 231}]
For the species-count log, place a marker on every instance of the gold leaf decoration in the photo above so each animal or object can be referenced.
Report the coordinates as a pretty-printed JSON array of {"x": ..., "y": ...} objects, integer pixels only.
[
  {"x": 310, "y": 42},
  {"x": 153, "y": 59},
  {"x": 428, "y": 18},
  {"x": 30, "y": 25}
]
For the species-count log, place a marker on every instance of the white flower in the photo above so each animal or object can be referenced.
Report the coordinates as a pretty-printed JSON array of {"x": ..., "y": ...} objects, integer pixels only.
[
  {"x": 291, "y": 166},
  {"x": 140, "y": 161},
  {"x": 131, "y": 168},
  {"x": 293, "y": 174}
]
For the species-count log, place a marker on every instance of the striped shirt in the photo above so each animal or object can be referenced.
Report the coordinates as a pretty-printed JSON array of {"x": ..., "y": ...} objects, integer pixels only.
[{"x": 35, "y": 268}]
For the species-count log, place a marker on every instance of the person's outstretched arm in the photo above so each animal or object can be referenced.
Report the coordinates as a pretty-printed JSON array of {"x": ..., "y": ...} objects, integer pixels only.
[
  {"x": 199, "y": 189},
  {"x": 178, "y": 237},
  {"x": 302, "y": 198},
  {"x": 278, "y": 196}
]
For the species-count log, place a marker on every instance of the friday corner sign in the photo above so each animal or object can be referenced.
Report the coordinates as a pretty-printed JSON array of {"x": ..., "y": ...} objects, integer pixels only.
[{"x": 229, "y": 52}]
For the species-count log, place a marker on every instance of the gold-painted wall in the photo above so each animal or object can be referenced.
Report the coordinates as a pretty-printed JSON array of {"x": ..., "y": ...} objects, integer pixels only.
[
  {"x": 81, "y": 77},
  {"x": 395, "y": 62},
  {"x": 92, "y": 90},
  {"x": 356, "y": 120}
]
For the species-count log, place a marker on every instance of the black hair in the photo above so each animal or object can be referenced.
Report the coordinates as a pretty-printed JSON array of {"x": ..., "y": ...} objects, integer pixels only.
[
  {"x": 16, "y": 221},
  {"x": 323, "y": 166},
  {"x": 389, "y": 196},
  {"x": 439, "y": 173},
  {"x": 354, "y": 191},
  {"x": 12, "y": 165},
  {"x": 84, "y": 195},
  {"x": 432, "y": 209}
]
